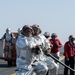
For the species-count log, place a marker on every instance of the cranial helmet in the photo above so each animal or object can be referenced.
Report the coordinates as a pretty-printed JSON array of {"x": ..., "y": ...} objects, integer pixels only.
[
  {"x": 71, "y": 37},
  {"x": 54, "y": 35},
  {"x": 36, "y": 28},
  {"x": 8, "y": 30},
  {"x": 19, "y": 30},
  {"x": 26, "y": 29},
  {"x": 46, "y": 34}
]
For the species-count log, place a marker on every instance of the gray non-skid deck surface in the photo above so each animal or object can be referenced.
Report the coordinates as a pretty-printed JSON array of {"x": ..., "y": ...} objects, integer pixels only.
[{"x": 4, "y": 70}]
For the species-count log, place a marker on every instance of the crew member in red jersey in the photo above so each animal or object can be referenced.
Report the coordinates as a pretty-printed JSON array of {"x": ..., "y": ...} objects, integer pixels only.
[
  {"x": 69, "y": 53},
  {"x": 55, "y": 50}
]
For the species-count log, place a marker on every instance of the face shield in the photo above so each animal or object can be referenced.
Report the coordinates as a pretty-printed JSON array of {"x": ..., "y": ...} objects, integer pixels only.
[
  {"x": 37, "y": 31},
  {"x": 27, "y": 32}
]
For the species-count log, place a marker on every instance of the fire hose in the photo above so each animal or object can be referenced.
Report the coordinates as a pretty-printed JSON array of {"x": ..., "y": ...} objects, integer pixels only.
[
  {"x": 60, "y": 62},
  {"x": 38, "y": 48}
]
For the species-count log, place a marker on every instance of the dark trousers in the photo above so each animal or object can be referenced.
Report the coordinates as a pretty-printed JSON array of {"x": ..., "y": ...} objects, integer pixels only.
[{"x": 69, "y": 62}]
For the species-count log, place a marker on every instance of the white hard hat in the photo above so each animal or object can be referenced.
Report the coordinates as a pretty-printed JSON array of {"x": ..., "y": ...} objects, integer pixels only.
[
  {"x": 8, "y": 29},
  {"x": 46, "y": 34},
  {"x": 19, "y": 29},
  {"x": 54, "y": 35}
]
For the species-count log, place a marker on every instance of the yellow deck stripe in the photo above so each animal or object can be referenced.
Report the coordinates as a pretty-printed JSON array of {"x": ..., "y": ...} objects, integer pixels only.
[{"x": 13, "y": 74}]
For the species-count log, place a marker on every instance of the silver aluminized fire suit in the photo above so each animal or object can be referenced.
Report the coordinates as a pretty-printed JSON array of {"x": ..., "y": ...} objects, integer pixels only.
[
  {"x": 26, "y": 61},
  {"x": 52, "y": 66},
  {"x": 8, "y": 44}
]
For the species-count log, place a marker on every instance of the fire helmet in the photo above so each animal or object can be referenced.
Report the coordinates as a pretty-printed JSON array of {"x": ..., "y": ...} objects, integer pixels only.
[
  {"x": 26, "y": 29},
  {"x": 7, "y": 30},
  {"x": 36, "y": 28},
  {"x": 46, "y": 34},
  {"x": 53, "y": 35}
]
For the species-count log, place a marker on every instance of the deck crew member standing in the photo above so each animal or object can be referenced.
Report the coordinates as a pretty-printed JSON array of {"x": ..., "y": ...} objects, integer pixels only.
[
  {"x": 7, "y": 37},
  {"x": 8, "y": 42},
  {"x": 69, "y": 53},
  {"x": 55, "y": 50}
]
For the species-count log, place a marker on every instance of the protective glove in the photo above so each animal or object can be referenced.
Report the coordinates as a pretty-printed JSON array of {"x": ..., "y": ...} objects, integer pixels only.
[
  {"x": 67, "y": 59},
  {"x": 36, "y": 50},
  {"x": 57, "y": 44}
]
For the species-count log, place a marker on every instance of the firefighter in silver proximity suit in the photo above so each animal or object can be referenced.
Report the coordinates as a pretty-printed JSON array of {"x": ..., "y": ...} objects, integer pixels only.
[
  {"x": 19, "y": 33},
  {"x": 26, "y": 61},
  {"x": 52, "y": 66},
  {"x": 8, "y": 42}
]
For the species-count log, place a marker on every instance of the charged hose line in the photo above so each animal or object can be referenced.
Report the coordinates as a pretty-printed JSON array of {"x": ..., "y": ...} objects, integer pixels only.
[{"x": 60, "y": 62}]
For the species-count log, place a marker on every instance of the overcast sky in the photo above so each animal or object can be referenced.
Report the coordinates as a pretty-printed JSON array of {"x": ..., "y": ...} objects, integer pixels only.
[{"x": 52, "y": 16}]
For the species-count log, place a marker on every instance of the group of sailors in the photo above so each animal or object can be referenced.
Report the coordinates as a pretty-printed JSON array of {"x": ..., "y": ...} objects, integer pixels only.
[{"x": 32, "y": 48}]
